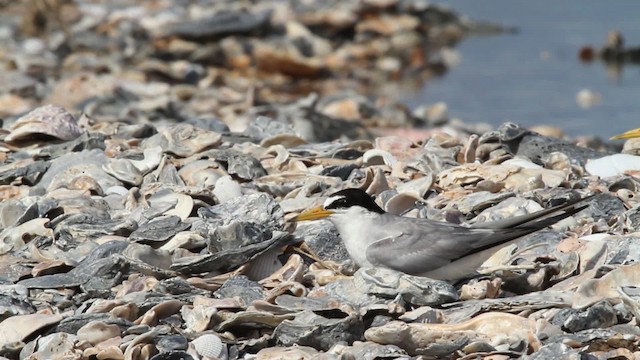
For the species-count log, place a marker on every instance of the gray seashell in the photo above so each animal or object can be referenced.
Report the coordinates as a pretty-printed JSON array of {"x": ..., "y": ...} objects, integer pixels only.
[
  {"x": 172, "y": 355},
  {"x": 171, "y": 203},
  {"x": 231, "y": 258},
  {"x": 48, "y": 120},
  {"x": 599, "y": 315},
  {"x": 202, "y": 173},
  {"x": 536, "y": 147},
  {"x": 124, "y": 170},
  {"x": 172, "y": 342},
  {"x": 242, "y": 165},
  {"x": 554, "y": 351},
  {"x": 97, "y": 270},
  {"x": 27, "y": 170},
  {"x": 369, "y": 350},
  {"x": 413, "y": 289},
  {"x": 221, "y": 25},
  {"x": 310, "y": 329},
  {"x": 85, "y": 226},
  {"x": 323, "y": 238},
  {"x": 258, "y": 208},
  {"x": 86, "y": 141},
  {"x": 263, "y": 127},
  {"x": 67, "y": 167},
  {"x": 209, "y": 345},
  {"x": 14, "y": 237},
  {"x": 197, "y": 318},
  {"x": 183, "y": 140},
  {"x": 209, "y": 123},
  {"x": 240, "y": 286}
]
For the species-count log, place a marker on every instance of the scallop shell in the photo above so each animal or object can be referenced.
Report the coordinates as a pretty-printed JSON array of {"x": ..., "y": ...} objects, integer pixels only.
[{"x": 208, "y": 345}]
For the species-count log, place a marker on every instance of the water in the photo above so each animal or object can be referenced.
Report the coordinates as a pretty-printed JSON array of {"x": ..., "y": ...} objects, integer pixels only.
[{"x": 532, "y": 77}]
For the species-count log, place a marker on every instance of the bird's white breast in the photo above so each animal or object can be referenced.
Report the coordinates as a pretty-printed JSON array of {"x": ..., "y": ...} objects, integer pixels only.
[{"x": 358, "y": 228}]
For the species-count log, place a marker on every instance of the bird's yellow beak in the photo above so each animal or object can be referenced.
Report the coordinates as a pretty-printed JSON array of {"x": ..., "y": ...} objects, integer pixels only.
[
  {"x": 627, "y": 135},
  {"x": 313, "y": 214}
]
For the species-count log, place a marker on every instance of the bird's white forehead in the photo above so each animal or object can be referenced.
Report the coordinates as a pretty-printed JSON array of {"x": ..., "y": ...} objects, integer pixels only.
[{"x": 331, "y": 199}]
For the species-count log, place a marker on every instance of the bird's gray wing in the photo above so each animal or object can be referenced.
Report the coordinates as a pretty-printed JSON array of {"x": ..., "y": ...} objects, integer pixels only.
[{"x": 420, "y": 245}]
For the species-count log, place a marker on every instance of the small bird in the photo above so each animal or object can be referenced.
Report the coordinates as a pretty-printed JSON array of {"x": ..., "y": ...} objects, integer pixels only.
[{"x": 438, "y": 250}]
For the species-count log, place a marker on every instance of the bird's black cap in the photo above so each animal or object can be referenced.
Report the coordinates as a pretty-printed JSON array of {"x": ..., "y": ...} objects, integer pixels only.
[{"x": 353, "y": 197}]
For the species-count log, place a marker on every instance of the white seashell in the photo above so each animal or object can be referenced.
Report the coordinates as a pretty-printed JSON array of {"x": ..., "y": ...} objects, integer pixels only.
[
  {"x": 594, "y": 237},
  {"x": 177, "y": 204},
  {"x": 208, "y": 345},
  {"x": 400, "y": 203},
  {"x": 521, "y": 162},
  {"x": 227, "y": 189},
  {"x": 613, "y": 165},
  {"x": 417, "y": 187},
  {"x": 152, "y": 157},
  {"x": 378, "y": 157}
]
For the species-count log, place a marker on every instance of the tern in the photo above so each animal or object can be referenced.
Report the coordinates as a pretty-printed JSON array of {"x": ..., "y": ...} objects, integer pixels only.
[{"x": 434, "y": 249}]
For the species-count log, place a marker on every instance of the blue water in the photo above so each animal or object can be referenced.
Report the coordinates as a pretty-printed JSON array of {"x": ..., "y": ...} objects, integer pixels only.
[{"x": 532, "y": 77}]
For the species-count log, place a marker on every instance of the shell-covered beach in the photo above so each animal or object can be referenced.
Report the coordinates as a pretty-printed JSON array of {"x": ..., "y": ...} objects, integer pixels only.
[{"x": 153, "y": 154}]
